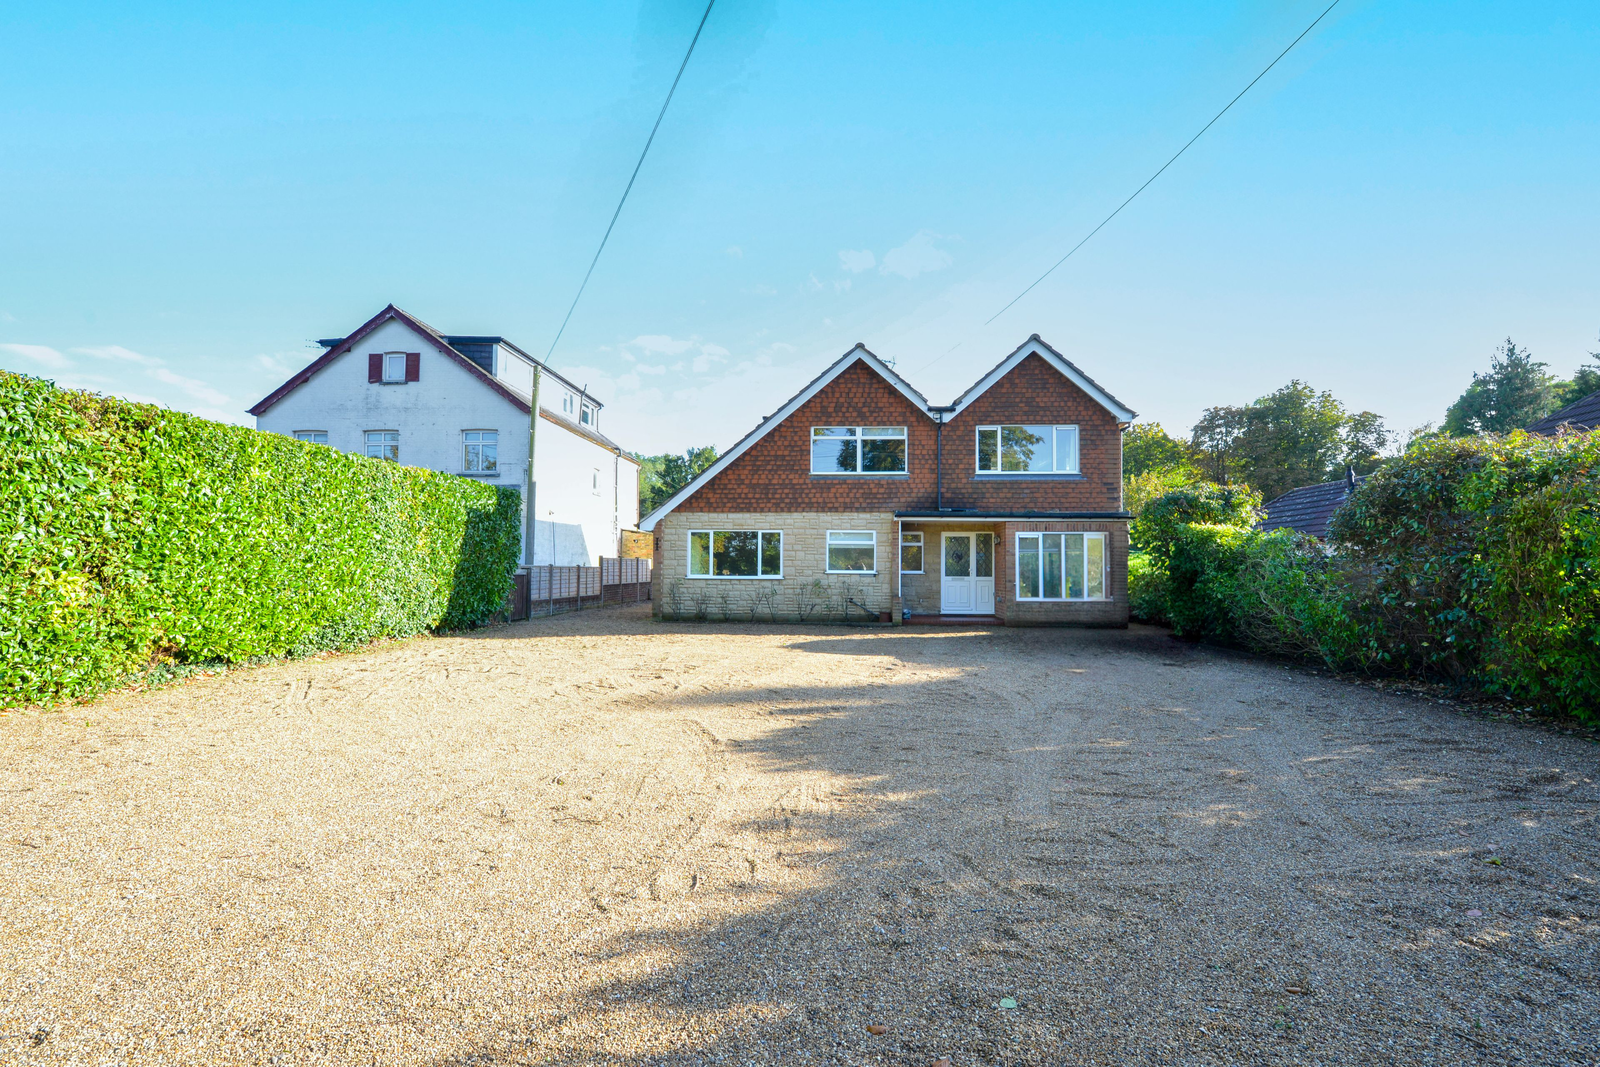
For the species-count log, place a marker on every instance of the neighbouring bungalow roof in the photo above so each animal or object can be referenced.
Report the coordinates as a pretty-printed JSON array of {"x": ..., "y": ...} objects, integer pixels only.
[
  {"x": 1581, "y": 414},
  {"x": 1309, "y": 508}
]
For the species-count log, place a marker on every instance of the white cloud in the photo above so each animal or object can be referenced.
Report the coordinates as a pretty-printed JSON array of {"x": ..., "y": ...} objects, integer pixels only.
[
  {"x": 281, "y": 363},
  {"x": 117, "y": 352},
  {"x": 660, "y": 344},
  {"x": 856, "y": 262},
  {"x": 6, "y": 316},
  {"x": 735, "y": 251},
  {"x": 194, "y": 387},
  {"x": 760, "y": 290},
  {"x": 917, "y": 256},
  {"x": 651, "y": 368},
  {"x": 841, "y": 285},
  {"x": 49, "y": 357}
]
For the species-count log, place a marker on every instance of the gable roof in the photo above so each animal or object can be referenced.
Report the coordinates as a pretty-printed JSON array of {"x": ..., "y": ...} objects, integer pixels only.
[
  {"x": 428, "y": 333},
  {"x": 858, "y": 354},
  {"x": 1034, "y": 346},
  {"x": 1309, "y": 508},
  {"x": 1581, "y": 414}
]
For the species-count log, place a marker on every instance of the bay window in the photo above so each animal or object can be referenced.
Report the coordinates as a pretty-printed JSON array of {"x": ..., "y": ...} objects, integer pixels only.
[
  {"x": 858, "y": 450},
  {"x": 1061, "y": 566},
  {"x": 1027, "y": 449},
  {"x": 735, "y": 554}
]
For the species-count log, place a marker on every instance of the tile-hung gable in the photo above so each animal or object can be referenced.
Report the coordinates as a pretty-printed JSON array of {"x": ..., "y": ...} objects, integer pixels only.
[{"x": 858, "y": 497}]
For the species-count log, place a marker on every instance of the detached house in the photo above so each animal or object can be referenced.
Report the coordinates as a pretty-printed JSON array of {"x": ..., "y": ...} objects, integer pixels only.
[
  {"x": 397, "y": 389},
  {"x": 858, "y": 497}
]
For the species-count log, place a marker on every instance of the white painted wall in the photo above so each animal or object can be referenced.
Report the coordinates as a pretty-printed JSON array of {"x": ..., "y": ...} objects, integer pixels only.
[{"x": 577, "y": 523}]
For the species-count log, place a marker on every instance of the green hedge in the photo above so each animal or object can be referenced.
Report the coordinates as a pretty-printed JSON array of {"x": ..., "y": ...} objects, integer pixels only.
[
  {"x": 1476, "y": 560},
  {"x": 133, "y": 536}
]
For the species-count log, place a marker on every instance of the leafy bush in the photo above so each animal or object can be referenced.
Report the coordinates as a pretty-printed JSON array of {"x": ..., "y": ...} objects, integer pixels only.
[
  {"x": 1476, "y": 560},
  {"x": 134, "y": 535},
  {"x": 1147, "y": 588}
]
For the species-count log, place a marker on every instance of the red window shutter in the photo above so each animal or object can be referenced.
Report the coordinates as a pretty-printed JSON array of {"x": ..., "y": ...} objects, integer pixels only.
[
  {"x": 375, "y": 367},
  {"x": 413, "y": 366}
]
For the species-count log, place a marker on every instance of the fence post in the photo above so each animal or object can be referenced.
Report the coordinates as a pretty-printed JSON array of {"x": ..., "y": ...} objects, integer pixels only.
[{"x": 550, "y": 586}]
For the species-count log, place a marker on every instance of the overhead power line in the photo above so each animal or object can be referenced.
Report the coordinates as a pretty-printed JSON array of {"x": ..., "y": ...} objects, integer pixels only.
[
  {"x": 1152, "y": 177},
  {"x": 648, "y": 142}
]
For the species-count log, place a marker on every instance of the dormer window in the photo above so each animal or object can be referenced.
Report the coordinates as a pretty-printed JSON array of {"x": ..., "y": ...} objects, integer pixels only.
[{"x": 588, "y": 416}]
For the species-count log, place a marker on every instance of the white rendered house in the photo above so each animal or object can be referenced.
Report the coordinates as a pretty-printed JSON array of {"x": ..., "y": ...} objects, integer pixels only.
[{"x": 398, "y": 389}]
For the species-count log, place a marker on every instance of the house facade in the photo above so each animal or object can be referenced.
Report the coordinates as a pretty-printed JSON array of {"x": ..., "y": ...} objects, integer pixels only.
[
  {"x": 397, "y": 389},
  {"x": 860, "y": 499}
]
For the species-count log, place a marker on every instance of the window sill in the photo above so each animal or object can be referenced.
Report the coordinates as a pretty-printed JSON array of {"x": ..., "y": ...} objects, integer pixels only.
[
  {"x": 1026, "y": 476},
  {"x": 478, "y": 474},
  {"x": 734, "y": 577},
  {"x": 858, "y": 574},
  {"x": 1062, "y": 600},
  {"x": 864, "y": 475}
]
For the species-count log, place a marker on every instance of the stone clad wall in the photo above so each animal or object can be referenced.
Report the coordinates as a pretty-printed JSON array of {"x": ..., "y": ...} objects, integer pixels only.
[{"x": 804, "y": 593}]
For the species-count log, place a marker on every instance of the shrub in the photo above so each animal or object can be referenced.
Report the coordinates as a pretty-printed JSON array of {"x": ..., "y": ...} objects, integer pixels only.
[
  {"x": 134, "y": 535},
  {"x": 1147, "y": 588},
  {"x": 1161, "y": 519}
]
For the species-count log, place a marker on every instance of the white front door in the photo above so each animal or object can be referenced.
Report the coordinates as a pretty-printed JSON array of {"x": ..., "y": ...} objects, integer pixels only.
[
  {"x": 956, "y": 592},
  {"x": 983, "y": 574}
]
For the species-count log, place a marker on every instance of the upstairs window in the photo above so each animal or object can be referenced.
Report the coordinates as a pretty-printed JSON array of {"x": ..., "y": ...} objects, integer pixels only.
[
  {"x": 316, "y": 437},
  {"x": 482, "y": 451},
  {"x": 858, "y": 450},
  {"x": 1027, "y": 450},
  {"x": 394, "y": 366},
  {"x": 569, "y": 403},
  {"x": 384, "y": 444},
  {"x": 735, "y": 554},
  {"x": 588, "y": 416}
]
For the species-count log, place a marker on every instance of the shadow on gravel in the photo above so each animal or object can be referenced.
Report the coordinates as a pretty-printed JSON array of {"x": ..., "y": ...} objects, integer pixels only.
[{"x": 1107, "y": 847}]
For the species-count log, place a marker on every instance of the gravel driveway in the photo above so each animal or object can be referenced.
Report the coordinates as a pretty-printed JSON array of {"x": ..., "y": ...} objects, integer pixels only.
[{"x": 601, "y": 839}]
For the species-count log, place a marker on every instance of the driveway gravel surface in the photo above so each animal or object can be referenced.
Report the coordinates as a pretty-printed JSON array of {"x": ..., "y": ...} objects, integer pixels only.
[{"x": 600, "y": 839}]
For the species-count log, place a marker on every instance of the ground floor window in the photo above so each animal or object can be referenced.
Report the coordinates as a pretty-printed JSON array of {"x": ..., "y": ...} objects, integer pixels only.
[
  {"x": 384, "y": 444},
  {"x": 1061, "y": 566},
  {"x": 911, "y": 552},
  {"x": 735, "y": 554},
  {"x": 852, "y": 551},
  {"x": 316, "y": 437}
]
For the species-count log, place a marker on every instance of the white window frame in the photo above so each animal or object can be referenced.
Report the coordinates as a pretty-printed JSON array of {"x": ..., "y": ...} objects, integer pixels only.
[
  {"x": 688, "y": 557},
  {"x": 367, "y": 442},
  {"x": 858, "y": 437},
  {"x": 389, "y": 361},
  {"x": 1056, "y": 461},
  {"x": 913, "y": 537},
  {"x": 1105, "y": 567},
  {"x": 467, "y": 441},
  {"x": 589, "y": 415},
  {"x": 567, "y": 402},
  {"x": 310, "y": 436},
  {"x": 595, "y": 481},
  {"x": 828, "y": 542}
]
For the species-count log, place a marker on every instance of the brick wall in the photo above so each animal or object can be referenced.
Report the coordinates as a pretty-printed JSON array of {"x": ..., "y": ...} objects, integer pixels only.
[{"x": 775, "y": 473}]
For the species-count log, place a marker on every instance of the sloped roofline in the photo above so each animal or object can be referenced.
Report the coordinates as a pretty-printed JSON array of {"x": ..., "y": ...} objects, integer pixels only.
[
  {"x": 1036, "y": 346},
  {"x": 859, "y": 354},
  {"x": 389, "y": 313}
]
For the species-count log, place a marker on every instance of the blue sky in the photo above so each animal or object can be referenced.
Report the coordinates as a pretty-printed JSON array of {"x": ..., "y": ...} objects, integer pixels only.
[{"x": 190, "y": 193}]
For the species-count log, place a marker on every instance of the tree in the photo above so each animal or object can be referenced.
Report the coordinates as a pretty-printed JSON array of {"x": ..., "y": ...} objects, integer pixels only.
[
  {"x": 661, "y": 476},
  {"x": 1515, "y": 392},
  {"x": 1292, "y": 437},
  {"x": 1215, "y": 439},
  {"x": 1585, "y": 381},
  {"x": 1365, "y": 438},
  {"x": 1146, "y": 447}
]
